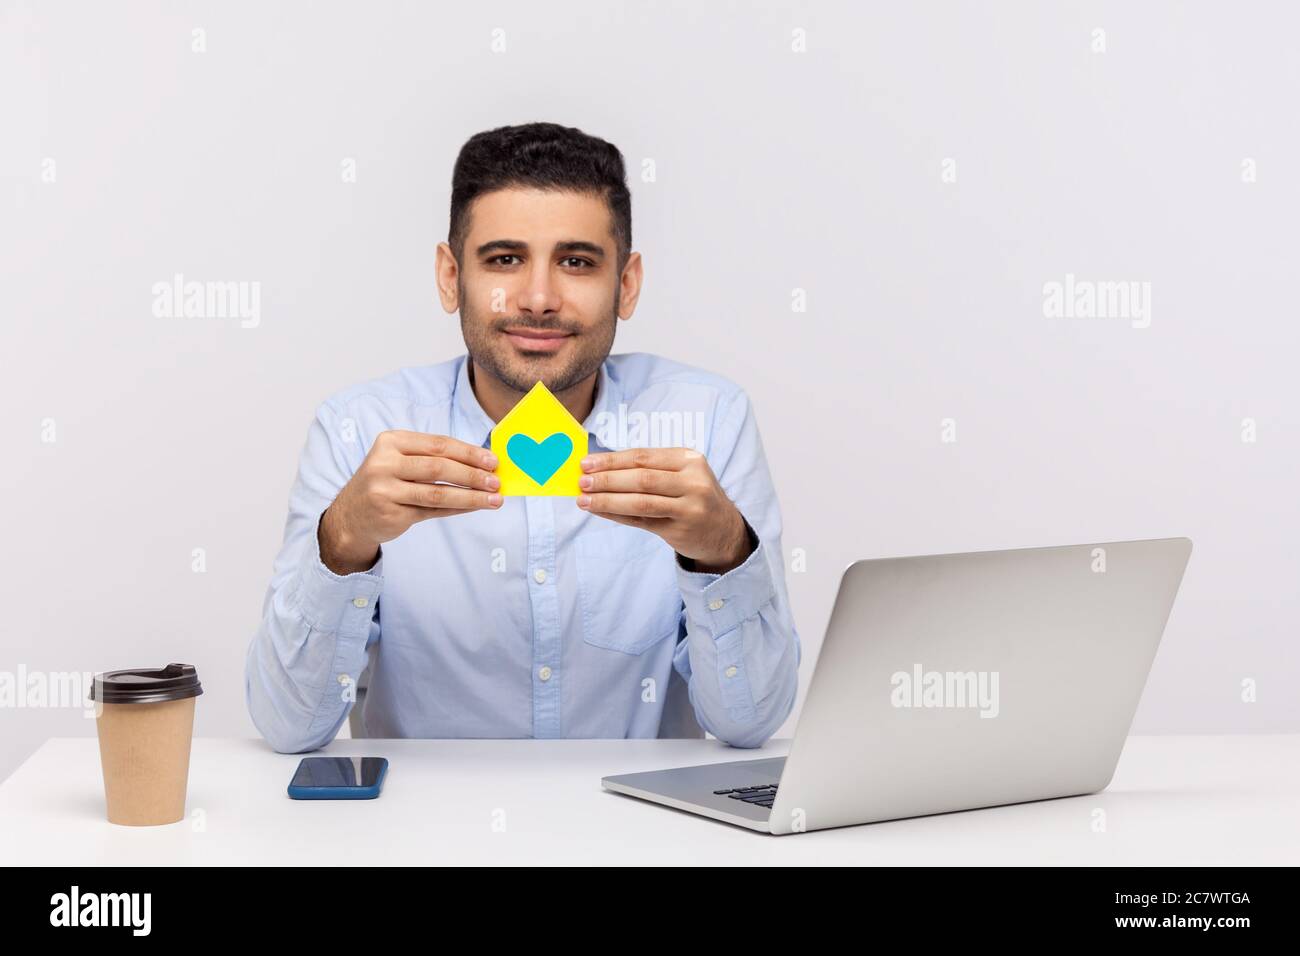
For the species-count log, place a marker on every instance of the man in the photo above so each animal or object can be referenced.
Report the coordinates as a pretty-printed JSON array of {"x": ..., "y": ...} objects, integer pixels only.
[{"x": 530, "y": 616}]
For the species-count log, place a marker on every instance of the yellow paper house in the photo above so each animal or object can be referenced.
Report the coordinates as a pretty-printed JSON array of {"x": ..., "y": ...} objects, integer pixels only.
[{"x": 539, "y": 444}]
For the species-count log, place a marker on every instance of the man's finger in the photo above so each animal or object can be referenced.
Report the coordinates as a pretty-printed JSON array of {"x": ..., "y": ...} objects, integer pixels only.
[
  {"x": 424, "y": 514},
  {"x": 641, "y": 506},
  {"x": 650, "y": 481},
  {"x": 444, "y": 496},
  {"x": 427, "y": 469},
  {"x": 442, "y": 446},
  {"x": 648, "y": 524},
  {"x": 664, "y": 459}
]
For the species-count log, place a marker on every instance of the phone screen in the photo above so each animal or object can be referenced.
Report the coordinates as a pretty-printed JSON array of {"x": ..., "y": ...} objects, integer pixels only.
[{"x": 338, "y": 772}]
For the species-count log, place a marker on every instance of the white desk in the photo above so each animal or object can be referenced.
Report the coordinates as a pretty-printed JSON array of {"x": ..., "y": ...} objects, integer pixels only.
[{"x": 1174, "y": 800}]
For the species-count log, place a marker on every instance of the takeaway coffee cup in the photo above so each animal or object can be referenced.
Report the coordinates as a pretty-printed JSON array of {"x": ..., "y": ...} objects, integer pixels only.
[{"x": 145, "y": 719}]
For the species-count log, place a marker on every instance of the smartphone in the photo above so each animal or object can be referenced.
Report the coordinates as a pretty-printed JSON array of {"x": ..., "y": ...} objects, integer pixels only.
[{"x": 338, "y": 778}]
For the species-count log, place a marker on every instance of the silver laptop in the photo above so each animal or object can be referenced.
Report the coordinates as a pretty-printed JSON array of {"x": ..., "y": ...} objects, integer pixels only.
[{"x": 951, "y": 682}]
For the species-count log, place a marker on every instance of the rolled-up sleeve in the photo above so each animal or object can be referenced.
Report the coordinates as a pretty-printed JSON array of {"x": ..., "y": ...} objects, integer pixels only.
[
  {"x": 741, "y": 654},
  {"x": 316, "y": 626}
]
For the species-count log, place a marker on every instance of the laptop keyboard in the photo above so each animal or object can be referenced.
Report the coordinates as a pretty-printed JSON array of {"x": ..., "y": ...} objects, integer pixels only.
[{"x": 761, "y": 796}]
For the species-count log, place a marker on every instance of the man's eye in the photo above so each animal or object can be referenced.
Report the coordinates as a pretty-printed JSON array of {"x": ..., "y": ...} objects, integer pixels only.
[
  {"x": 497, "y": 260},
  {"x": 581, "y": 262}
]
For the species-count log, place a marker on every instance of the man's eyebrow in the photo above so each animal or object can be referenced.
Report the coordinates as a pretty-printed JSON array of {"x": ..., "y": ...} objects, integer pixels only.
[
  {"x": 580, "y": 245},
  {"x": 518, "y": 245},
  {"x": 502, "y": 245}
]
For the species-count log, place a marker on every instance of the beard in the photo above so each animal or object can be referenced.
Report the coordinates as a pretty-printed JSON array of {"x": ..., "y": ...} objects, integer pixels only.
[{"x": 490, "y": 351}]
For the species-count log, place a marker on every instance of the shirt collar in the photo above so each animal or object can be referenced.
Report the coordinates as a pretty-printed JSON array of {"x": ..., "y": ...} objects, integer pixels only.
[{"x": 470, "y": 423}]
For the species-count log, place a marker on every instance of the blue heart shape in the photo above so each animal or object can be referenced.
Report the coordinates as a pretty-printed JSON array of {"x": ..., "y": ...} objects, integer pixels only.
[{"x": 539, "y": 461}]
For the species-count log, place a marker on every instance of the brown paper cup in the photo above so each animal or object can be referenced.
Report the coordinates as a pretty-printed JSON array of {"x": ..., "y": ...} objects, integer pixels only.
[{"x": 144, "y": 748}]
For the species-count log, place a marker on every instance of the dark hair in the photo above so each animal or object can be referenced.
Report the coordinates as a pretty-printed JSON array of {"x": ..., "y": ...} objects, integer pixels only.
[{"x": 542, "y": 156}]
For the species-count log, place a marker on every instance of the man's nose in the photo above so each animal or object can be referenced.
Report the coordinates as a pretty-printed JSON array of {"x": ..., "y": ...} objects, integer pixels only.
[{"x": 539, "y": 295}]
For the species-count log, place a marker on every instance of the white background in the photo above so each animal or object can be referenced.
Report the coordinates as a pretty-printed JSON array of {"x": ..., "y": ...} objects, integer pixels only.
[{"x": 775, "y": 170}]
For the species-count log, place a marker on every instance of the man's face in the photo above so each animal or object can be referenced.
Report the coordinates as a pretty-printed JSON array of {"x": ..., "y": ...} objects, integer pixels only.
[{"x": 538, "y": 286}]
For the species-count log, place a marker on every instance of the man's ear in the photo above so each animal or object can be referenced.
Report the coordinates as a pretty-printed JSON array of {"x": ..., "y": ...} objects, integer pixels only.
[
  {"x": 630, "y": 286},
  {"x": 446, "y": 272}
]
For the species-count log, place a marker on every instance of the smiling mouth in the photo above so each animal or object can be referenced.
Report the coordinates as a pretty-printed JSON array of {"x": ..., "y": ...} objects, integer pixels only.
[{"x": 536, "y": 340}]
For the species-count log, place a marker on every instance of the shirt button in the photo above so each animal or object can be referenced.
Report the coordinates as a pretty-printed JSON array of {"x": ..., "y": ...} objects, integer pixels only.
[
  {"x": 359, "y": 602},
  {"x": 716, "y": 604},
  {"x": 345, "y": 679},
  {"x": 544, "y": 673},
  {"x": 730, "y": 671},
  {"x": 540, "y": 575}
]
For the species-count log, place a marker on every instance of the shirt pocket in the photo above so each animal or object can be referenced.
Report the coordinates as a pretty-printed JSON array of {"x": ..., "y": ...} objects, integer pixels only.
[{"x": 627, "y": 588}]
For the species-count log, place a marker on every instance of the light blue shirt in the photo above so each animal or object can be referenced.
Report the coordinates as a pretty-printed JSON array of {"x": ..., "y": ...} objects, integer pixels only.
[{"x": 536, "y": 619}]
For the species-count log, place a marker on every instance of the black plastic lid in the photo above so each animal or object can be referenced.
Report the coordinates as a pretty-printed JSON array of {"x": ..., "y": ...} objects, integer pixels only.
[{"x": 145, "y": 685}]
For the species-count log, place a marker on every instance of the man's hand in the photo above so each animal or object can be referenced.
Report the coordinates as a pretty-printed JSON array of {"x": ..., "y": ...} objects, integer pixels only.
[
  {"x": 395, "y": 487},
  {"x": 672, "y": 492}
]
